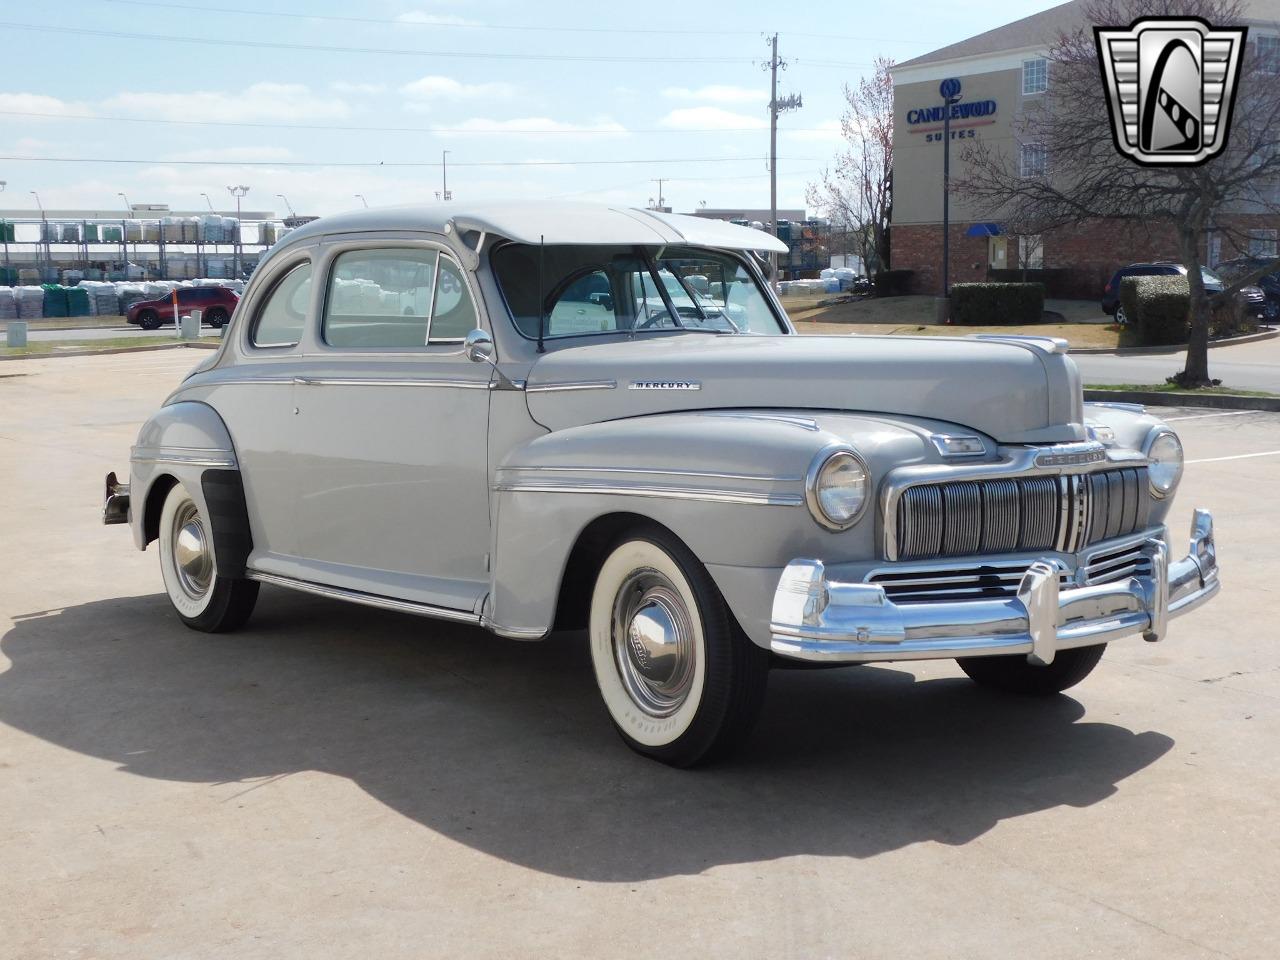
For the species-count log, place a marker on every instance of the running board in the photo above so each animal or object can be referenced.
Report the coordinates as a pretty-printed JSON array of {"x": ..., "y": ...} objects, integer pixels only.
[{"x": 367, "y": 599}]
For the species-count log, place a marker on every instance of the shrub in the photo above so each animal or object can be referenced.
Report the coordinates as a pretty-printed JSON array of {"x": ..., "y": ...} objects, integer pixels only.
[
  {"x": 1158, "y": 308},
  {"x": 1229, "y": 319},
  {"x": 893, "y": 283},
  {"x": 977, "y": 304}
]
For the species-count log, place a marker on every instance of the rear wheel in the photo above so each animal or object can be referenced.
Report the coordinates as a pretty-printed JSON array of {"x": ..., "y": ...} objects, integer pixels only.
[
  {"x": 1014, "y": 674},
  {"x": 149, "y": 320},
  {"x": 1122, "y": 318},
  {"x": 204, "y": 600},
  {"x": 683, "y": 684}
]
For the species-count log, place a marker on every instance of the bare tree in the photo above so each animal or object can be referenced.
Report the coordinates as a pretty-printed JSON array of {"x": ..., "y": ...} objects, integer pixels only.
[
  {"x": 857, "y": 194},
  {"x": 1085, "y": 179}
]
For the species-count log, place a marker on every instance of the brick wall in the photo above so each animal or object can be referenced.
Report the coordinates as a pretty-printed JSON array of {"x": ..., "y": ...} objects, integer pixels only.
[{"x": 1082, "y": 258}]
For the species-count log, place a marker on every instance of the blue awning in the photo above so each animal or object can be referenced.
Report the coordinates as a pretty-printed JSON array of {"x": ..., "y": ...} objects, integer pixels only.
[{"x": 985, "y": 230}]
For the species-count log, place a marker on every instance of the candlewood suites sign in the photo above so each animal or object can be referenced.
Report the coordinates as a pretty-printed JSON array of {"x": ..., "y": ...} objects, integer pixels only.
[{"x": 959, "y": 111}]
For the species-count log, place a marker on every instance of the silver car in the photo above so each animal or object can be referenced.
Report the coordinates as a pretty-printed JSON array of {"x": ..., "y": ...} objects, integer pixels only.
[{"x": 531, "y": 417}]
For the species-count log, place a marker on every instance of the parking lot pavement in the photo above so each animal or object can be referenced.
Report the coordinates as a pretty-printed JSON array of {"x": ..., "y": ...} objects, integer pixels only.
[{"x": 341, "y": 782}]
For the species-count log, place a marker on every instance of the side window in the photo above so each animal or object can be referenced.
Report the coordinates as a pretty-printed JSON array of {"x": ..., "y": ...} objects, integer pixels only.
[
  {"x": 279, "y": 321},
  {"x": 380, "y": 298},
  {"x": 454, "y": 315},
  {"x": 585, "y": 305}
]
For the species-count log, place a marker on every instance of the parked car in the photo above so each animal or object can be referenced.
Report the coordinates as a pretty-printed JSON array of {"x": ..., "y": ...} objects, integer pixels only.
[
  {"x": 1251, "y": 298},
  {"x": 217, "y": 304},
  {"x": 508, "y": 416},
  {"x": 1268, "y": 283}
]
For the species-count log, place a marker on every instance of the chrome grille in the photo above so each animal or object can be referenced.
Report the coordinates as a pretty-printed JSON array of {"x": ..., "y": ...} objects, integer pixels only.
[
  {"x": 998, "y": 581},
  {"x": 1063, "y": 513}
]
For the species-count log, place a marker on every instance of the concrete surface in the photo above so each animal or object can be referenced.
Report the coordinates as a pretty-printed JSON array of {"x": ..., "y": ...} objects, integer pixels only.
[
  {"x": 1245, "y": 366},
  {"x": 98, "y": 333},
  {"x": 338, "y": 782}
]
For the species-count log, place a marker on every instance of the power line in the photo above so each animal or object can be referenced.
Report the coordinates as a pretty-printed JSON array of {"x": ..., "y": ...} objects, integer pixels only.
[
  {"x": 389, "y": 163},
  {"x": 529, "y": 131},
  {"x": 387, "y": 51},
  {"x": 520, "y": 28}
]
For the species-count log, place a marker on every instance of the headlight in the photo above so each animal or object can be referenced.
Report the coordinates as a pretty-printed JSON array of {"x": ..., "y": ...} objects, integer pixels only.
[
  {"x": 1165, "y": 470},
  {"x": 836, "y": 487}
]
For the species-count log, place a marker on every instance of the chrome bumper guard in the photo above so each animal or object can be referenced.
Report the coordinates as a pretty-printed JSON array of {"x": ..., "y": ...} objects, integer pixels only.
[
  {"x": 821, "y": 620},
  {"x": 115, "y": 505}
]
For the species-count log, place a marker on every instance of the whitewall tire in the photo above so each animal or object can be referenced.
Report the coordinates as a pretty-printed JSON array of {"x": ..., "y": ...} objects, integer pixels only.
[
  {"x": 680, "y": 680},
  {"x": 204, "y": 600}
]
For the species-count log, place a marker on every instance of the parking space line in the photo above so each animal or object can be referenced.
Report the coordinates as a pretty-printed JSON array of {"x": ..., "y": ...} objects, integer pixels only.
[
  {"x": 1206, "y": 416},
  {"x": 1238, "y": 456}
]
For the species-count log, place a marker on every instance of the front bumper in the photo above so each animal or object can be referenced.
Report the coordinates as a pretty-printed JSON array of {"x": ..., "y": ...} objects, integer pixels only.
[{"x": 820, "y": 620}]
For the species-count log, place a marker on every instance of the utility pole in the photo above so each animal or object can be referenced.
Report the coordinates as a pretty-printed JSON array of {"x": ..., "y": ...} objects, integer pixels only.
[
  {"x": 444, "y": 175},
  {"x": 661, "y": 199},
  {"x": 776, "y": 106}
]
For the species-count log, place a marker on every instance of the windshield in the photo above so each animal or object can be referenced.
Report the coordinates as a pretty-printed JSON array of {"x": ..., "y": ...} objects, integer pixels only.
[
  {"x": 1210, "y": 276},
  {"x": 611, "y": 289}
]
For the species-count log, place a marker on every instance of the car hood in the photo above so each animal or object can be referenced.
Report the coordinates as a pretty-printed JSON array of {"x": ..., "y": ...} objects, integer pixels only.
[{"x": 1013, "y": 391}]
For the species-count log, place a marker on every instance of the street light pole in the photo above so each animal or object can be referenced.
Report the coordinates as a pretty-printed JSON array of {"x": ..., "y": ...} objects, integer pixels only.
[
  {"x": 44, "y": 234},
  {"x": 288, "y": 206},
  {"x": 125, "y": 238},
  {"x": 238, "y": 192},
  {"x": 4, "y": 230},
  {"x": 444, "y": 175},
  {"x": 360, "y": 197},
  {"x": 209, "y": 202},
  {"x": 950, "y": 91}
]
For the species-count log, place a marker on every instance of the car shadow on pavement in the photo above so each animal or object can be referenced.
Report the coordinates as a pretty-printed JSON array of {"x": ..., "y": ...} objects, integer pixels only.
[{"x": 504, "y": 746}]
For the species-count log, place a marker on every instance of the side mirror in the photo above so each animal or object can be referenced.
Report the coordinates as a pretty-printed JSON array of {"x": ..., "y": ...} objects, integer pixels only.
[{"x": 478, "y": 347}]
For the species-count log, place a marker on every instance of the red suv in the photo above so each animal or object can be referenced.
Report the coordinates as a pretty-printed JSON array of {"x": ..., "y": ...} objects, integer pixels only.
[{"x": 216, "y": 303}]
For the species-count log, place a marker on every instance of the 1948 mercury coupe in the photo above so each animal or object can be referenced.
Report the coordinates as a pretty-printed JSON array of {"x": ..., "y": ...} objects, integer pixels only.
[{"x": 538, "y": 416}]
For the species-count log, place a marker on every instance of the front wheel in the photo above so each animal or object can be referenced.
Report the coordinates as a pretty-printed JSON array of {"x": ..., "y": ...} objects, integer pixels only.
[
  {"x": 1014, "y": 674},
  {"x": 217, "y": 317},
  {"x": 683, "y": 684},
  {"x": 1122, "y": 318},
  {"x": 203, "y": 599}
]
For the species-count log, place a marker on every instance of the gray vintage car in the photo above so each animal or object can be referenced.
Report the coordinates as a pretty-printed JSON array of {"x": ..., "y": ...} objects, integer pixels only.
[{"x": 555, "y": 416}]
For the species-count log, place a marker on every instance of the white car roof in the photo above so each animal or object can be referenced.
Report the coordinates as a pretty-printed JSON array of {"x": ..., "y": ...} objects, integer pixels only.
[{"x": 549, "y": 222}]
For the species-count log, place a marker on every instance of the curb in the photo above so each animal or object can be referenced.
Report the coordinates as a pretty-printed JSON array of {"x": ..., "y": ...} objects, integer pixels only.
[
  {"x": 1177, "y": 348},
  {"x": 114, "y": 350},
  {"x": 1217, "y": 401}
]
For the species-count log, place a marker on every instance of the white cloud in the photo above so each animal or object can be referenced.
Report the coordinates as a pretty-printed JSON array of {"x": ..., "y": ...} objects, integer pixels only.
[
  {"x": 439, "y": 19},
  {"x": 260, "y": 101},
  {"x": 535, "y": 126},
  {"x": 828, "y": 131},
  {"x": 38, "y": 103},
  {"x": 243, "y": 154},
  {"x": 718, "y": 93},
  {"x": 422, "y": 93},
  {"x": 342, "y": 86},
  {"x": 712, "y": 118}
]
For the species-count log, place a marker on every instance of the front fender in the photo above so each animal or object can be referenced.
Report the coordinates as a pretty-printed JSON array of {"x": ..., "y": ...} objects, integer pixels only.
[
  {"x": 182, "y": 441},
  {"x": 729, "y": 484}
]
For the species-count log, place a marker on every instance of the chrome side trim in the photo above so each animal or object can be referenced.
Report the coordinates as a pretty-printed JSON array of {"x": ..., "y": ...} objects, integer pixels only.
[
  {"x": 513, "y": 633},
  {"x": 565, "y": 385},
  {"x": 390, "y": 382},
  {"x": 667, "y": 493},
  {"x": 187, "y": 461},
  {"x": 805, "y": 423},
  {"x": 659, "y": 472},
  {"x": 367, "y": 599}
]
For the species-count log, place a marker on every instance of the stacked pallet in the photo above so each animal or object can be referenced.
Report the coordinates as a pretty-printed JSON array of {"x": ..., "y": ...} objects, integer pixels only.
[
  {"x": 8, "y": 305},
  {"x": 55, "y": 300},
  {"x": 30, "y": 302},
  {"x": 77, "y": 301}
]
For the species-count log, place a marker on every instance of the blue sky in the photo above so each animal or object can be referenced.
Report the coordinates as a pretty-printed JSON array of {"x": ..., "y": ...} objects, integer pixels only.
[{"x": 700, "y": 109}]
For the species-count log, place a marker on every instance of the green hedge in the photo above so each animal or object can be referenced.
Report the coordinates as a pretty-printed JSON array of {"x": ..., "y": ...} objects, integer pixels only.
[
  {"x": 982, "y": 304},
  {"x": 1158, "y": 308},
  {"x": 893, "y": 283}
]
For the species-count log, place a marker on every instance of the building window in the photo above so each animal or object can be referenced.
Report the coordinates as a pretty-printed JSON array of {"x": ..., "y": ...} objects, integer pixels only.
[
  {"x": 1033, "y": 160},
  {"x": 1035, "y": 76},
  {"x": 1031, "y": 251},
  {"x": 1269, "y": 54},
  {"x": 1262, "y": 243}
]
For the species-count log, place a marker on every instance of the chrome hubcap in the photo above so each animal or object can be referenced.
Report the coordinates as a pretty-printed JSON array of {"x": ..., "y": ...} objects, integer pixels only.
[
  {"x": 653, "y": 643},
  {"x": 192, "y": 560}
]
